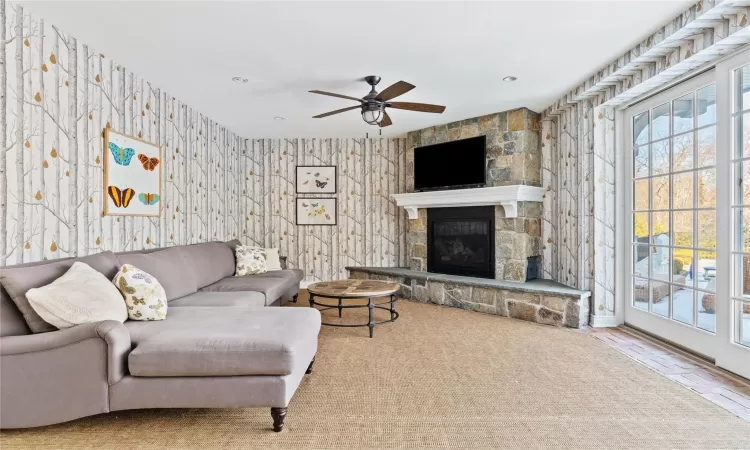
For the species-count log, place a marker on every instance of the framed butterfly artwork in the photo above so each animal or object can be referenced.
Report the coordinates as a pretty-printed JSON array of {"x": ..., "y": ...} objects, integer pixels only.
[
  {"x": 316, "y": 179},
  {"x": 316, "y": 211},
  {"x": 132, "y": 176}
]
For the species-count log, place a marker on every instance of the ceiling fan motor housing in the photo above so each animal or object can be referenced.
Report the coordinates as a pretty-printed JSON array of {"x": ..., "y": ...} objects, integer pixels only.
[
  {"x": 372, "y": 80},
  {"x": 374, "y": 104}
]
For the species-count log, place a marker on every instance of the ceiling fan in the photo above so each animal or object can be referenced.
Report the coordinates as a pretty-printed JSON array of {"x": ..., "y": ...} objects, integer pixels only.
[{"x": 373, "y": 105}]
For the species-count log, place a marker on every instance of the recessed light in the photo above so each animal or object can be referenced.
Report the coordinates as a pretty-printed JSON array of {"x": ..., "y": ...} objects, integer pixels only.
[
  {"x": 239, "y": 80},
  {"x": 278, "y": 118},
  {"x": 509, "y": 79}
]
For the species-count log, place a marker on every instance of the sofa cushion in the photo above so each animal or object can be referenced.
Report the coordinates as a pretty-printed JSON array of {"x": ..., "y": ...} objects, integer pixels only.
[
  {"x": 210, "y": 261},
  {"x": 169, "y": 267},
  {"x": 291, "y": 274},
  {"x": 203, "y": 298},
  {"x": 82, "y": 295},
  {"x": 11, "y": 319},
  {"x": 224, "y": 341},
  {"x": 272, "y": 288},
  {"x": 17, "y": 280}
]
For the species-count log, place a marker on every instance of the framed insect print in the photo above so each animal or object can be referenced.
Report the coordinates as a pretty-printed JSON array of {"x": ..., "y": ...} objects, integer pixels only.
[
  {"x": 132, "y": 176},
  {"x": 316, "y": 179},
  {"x": 316, "y": 211}
]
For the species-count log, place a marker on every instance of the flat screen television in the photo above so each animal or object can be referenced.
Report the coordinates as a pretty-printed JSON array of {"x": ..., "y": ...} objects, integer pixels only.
[{"x": 451, "y": 165}]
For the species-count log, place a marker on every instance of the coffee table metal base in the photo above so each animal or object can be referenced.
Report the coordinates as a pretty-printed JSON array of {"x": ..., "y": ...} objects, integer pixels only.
[{"x": 371, "y": 306}]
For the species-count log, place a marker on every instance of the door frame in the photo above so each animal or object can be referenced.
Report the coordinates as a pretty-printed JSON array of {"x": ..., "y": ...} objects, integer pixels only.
[
  {"x": 693, "y": 338},
  {"x": 719, "y": 347},
  {"x": 729, "y": 354}
]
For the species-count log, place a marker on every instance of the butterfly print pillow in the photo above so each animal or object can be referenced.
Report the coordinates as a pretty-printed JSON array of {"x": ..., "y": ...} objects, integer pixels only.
[{"x": 144, "y": 295}]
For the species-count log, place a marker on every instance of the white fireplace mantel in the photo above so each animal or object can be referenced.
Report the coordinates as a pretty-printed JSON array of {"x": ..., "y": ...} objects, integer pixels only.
[{"x": 507, "y": 196}]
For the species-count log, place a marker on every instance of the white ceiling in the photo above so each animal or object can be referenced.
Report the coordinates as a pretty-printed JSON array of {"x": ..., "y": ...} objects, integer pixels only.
[{"x": 456, "y": 53}]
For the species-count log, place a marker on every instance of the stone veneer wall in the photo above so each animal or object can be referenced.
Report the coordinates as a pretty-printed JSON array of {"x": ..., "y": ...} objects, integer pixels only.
[
  {"x": 513, "y": 157},
  {"x": 543, "y": 308}
]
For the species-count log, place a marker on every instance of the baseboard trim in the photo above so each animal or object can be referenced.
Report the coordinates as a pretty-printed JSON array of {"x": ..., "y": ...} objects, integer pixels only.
[
  {"x": 603, "y": 321},
  {"x": 304, "y": 284}
]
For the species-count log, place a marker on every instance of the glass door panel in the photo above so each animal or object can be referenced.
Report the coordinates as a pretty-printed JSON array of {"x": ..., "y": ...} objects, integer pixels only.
[
  {"x": 673, "y": 214},
  {"x": 734, "y": 351}
]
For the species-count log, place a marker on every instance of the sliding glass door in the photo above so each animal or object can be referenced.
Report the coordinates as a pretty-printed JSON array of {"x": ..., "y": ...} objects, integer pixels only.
[
  {"x": 735, "y": 353},
  {"x": 689, "y": 152}
]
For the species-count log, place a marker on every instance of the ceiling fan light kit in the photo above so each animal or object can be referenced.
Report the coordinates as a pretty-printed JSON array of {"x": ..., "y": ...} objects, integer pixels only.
[
  {"x": 373, "y": 105},
  {"x": 372, "y": 116}
]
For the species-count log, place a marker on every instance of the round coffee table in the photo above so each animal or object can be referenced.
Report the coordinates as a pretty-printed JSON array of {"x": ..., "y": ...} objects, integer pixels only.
[{"x": 351, "y": 289}]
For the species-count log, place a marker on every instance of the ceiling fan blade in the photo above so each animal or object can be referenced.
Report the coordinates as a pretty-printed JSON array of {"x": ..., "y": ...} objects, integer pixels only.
[
  {"x": 386, "y": 120},
  {"x": 331, "y": 94},
  {"x": 319, "y": 116},
  {"x": 420, "y": 107},
  {"x": 394, "y": 90}
]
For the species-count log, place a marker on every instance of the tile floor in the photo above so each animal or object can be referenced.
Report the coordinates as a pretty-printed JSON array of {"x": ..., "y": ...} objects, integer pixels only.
[{"x": 730, "y": 392}]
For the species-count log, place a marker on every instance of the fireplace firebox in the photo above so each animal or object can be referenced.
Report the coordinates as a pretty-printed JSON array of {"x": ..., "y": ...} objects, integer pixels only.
[{"x": 461, "y": 241}]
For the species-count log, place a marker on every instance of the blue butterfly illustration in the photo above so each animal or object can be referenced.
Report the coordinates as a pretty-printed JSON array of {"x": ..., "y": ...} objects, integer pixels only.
[
  {"x": 122, "y": 155},
  {"x": 148, "y": 199}
]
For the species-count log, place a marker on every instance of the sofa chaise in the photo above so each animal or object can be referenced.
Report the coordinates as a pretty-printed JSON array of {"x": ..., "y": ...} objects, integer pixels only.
[{"x": 223, "y": 343}]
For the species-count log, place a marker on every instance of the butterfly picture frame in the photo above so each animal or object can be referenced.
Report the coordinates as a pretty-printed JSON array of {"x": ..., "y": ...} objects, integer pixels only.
[
  {"x": 316, "y": 179},
  {"x": 132, "y": 176},
  {"x": 317, "y": 211}
]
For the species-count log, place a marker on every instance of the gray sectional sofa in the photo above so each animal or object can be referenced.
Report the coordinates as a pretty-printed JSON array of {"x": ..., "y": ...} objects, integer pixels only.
[{"x": 223, "y": 343}]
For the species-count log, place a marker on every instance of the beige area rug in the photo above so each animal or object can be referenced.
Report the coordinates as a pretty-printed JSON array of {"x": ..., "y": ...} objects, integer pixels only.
[{"x": 439, "y": 378}]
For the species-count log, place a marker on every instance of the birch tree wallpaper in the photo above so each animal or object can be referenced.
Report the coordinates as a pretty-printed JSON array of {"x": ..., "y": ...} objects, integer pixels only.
[
  {"x": 59, "y": 94},
  {"x": 57, "y": 97},
  {"x": 371, "y": 229}
]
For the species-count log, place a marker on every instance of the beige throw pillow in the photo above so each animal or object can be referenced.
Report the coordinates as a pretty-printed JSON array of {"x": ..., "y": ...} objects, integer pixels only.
[
  {"x": 81, "y": 295},
  {"x": 273, "y": 261},
  {"x": 250, "y": 260},
  {"x": 145, "y": 298}
]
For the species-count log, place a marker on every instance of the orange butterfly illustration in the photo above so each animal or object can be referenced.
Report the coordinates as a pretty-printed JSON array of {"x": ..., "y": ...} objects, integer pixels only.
[
  {"x": 148, "y": 163},
  {"x": 121, "y": 198}
]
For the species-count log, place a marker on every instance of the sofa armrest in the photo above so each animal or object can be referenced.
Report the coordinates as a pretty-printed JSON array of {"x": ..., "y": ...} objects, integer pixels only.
[
  {"x": 282, "y": 260},
  {"x": 61, "y": 375},
  {"x": 114, "y": 334}
]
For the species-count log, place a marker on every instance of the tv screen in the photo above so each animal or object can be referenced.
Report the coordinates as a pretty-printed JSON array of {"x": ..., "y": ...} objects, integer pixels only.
[{"x": 450, "y": 165}]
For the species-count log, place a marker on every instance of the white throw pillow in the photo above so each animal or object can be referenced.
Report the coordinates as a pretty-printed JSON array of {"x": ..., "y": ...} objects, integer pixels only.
[
  {"x": 250, "y": 260},
  {"x": 144, "y": 295},
  {"x": 273, "y": 261},
  {"x": 82, "y": 295}
]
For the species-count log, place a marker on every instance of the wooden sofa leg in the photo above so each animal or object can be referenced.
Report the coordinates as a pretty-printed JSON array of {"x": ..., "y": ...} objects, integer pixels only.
[
  {"x": 294, "y": 298},
  {"x": 309, "y": 368},
  {"x": 278, "y": 415}
]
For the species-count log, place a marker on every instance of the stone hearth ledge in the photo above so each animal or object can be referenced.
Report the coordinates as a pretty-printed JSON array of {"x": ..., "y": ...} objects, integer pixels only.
[
  {"x": 507, "y": 196},
  {"x": 541, "y": 301}
]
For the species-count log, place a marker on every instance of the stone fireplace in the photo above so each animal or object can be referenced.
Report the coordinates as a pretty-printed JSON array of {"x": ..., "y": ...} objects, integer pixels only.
[
  {"x": 474, "y": 248},
  {"x": 513, "y": 159}
]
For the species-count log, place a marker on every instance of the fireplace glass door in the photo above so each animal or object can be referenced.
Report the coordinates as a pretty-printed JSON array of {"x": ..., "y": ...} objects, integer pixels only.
[{"x": 460, "y": 241}]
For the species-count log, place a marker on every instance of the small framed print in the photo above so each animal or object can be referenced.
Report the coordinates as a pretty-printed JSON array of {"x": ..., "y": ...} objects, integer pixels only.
[
  {"x": 316, "y": 211},
  {"x": 316, "y": 179}
]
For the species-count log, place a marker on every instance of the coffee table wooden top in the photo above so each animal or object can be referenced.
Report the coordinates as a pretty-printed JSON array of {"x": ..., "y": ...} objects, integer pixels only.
[{"x": 353, "y": 288}]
